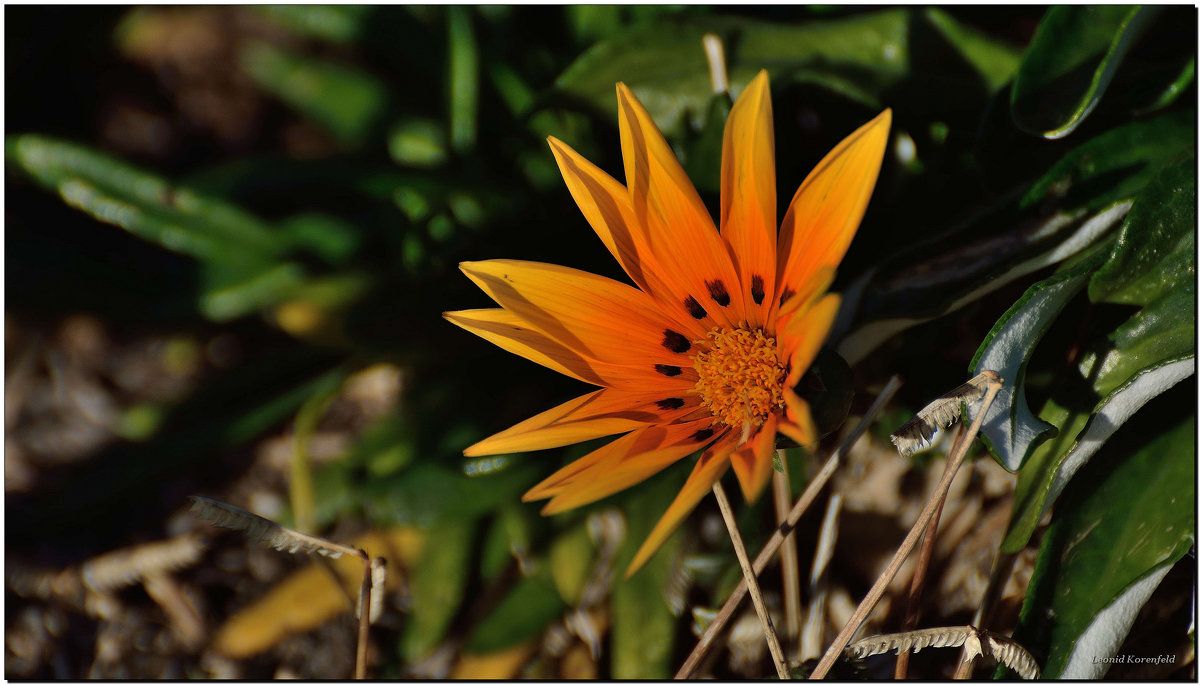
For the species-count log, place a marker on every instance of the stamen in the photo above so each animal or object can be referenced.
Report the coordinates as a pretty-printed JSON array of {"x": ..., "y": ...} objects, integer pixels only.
[{"x": 740, "y": 375}]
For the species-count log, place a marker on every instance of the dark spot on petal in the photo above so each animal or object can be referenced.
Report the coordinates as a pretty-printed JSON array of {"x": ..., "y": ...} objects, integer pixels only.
[
  {"x": 668, "y": 370},
  {"x": 694, "y": 308},
  {"x": 717, "y": 291},
  {"x": 670, "y": 403},
  {"x": 756, "y": 289},
  {"x": 702, "y": 435},
  {"x": 787, "y": 295},
  {"x": 675, "y": 342}
]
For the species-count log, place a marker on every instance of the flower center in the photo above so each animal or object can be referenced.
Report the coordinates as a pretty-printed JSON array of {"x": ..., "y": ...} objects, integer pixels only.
[{"x": 741, "y": 376}]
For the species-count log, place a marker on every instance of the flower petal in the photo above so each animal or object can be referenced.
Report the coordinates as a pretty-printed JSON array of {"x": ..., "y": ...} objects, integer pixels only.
[
  {"x": 748, "y": 196},
  {"x": 708, "y": 470},
  {"x": 507, "y": 331},
  {"x": 799, "y": 425},
  {"x": 753, "y": 462},
  {"x": 594, "y": 415},
  {"x": 595, "y": 317},
  {"x": 826, "y": 210},
  {"x": 621, "y": 463},
  {"x": 802, "y": 334},
  {"x": 683, "y": 240}
]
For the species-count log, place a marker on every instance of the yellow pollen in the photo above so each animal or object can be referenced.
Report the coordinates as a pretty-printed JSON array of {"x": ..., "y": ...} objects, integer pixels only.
[{"x": 741, "y": 376}]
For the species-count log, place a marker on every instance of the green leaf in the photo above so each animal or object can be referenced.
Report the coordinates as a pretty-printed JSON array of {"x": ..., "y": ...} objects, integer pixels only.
[
  {"x": 464, "y": 78},
  {"x": 1070, "y": 62},
  {"x": 1128, "y": 515},
  {"x": 993, "y": 60},
  {"x": 523, "y": 613},
  {"x": 428, "y": 492},
  {"x": 1115, "y": 164},
  {"x": 859, "y": 56},
  {"x": 417, "y": 142},
  {"x": 346, "y": 102},
  {"x": 1010, "y": 428},
  {"x": 1068, "y": 208},
  {"x": 145, "y": 204},
  {"x": 643, "y": 626},
  {"x": 1149, "y": 353},
  {"x": 329, "y": 237},
  {"x": 570, "y": 559},
  {"x": 437, "y": 584},
  {"x": 1155, "y": 250},
  {"x": 334, "y": 23}
]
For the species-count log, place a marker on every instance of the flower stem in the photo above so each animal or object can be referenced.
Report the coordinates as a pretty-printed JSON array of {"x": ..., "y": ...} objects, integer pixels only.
[
  {"x": 751, "y": 582},
  {"x": 868, "y": 603}
]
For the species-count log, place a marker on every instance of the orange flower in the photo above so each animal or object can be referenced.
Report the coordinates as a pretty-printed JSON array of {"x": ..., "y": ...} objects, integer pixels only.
[{"x": 705, "y": 351}]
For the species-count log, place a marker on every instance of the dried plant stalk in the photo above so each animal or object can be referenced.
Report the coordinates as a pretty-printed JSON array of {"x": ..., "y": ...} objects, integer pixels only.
[
  {"x": 266, "y": 531},
  {"x": 977, "y": 643},
  {"x": 940, "y": 414},
  {"x": 122, "y": 567}
]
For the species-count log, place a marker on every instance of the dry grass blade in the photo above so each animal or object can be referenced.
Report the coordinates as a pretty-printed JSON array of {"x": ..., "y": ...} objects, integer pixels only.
[
  {"x": 940, "y": 414},
  {"x": 264, "y": 530},
  {"x": 913, "y": 640},
  {"x": 130, "y": 565}
]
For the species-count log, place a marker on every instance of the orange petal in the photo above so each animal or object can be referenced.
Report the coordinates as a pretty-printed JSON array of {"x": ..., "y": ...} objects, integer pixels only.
[
  {"x": 683, "y": 240},
  {"x": 507, "y": 331},
  {"x": 708, "y": 470},
  {"x": 748, "y": 196},
  {"x": 605, "y": 203},
  {"x": 799, "y": 425},
  {"x": 826, "y": 210},
  {"x": 802, "y": 335},
  {"x": 621, "y": 463},
  {"x": 753, "y": 462},
  {"x": 594, "y": 415},
  {"x": 595, "y": 317}
]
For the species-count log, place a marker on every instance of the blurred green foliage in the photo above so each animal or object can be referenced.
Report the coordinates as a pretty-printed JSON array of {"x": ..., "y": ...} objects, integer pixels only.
[{"x": 383, "y": 145}]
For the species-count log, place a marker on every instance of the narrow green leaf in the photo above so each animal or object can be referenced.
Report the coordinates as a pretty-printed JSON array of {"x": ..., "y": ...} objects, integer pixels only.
[
  {"x": 643, "y": 626},
  {"x": 437, "y": 586},
  {"x": 464, "y": 78},
  {"x": 334, "y": 23},
  {"x": 523, "y": 614},
  {"x": 345, "y": 101},
  {"x": 145, "y": 204},
  {"x": 1070, "y": 62},
  {"x": 995, "y": 61},
  {"x": 1127, "y": 515}
]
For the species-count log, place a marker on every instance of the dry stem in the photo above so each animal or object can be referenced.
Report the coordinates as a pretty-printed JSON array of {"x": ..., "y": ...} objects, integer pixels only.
[
  {"x": 877, "y": 590},
  {"x": 752, "y": 582},
  {"x": 918, "y": 580},
  {"x": 788, "y": 559}
]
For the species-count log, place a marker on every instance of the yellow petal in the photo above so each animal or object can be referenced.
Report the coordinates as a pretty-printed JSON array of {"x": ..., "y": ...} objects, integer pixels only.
[
  {"x": 802, "y": 335},
  {"x": 799, "y": 425},
  {"x": 594, "y": 415},
  {"x": 605, "y": 203},
  {"x": 754, "y": 461},
  {"x": 826, "y": 210},
  {"x": 507, "y": 331},
  {"x": 683, "y": 240},
  {"x": 748, "y": 196},
  {"x": 708, "y": 470},
  {"x": 595, "y": 317},
  {"x": 627, "y": 461}
]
